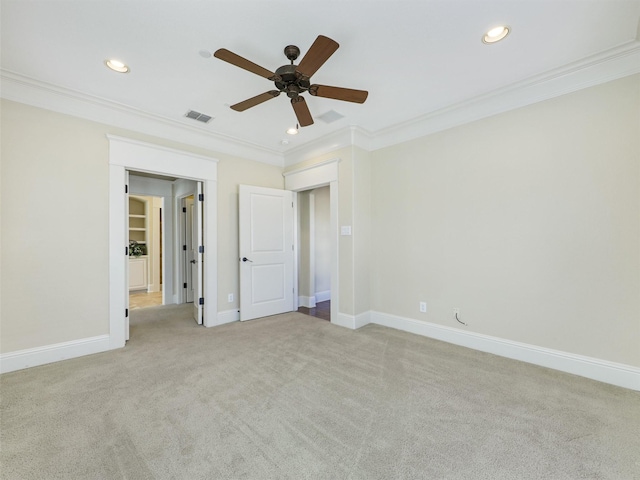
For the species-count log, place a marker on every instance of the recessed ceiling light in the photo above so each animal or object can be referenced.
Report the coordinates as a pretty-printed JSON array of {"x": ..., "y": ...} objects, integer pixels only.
[
  {"x": 116, "y": 65},
  {"x": 293, "y": 130},
  {"x": 284, "y": 142},
  {"x": 204, "y": 53},
  {"x": 496, "y": 34}
]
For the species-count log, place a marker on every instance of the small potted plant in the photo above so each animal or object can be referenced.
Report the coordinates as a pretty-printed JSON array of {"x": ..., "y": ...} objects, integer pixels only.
[{"x": 135, "y": 249}]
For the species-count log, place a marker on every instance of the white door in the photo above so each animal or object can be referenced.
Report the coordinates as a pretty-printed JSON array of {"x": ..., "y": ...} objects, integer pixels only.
[
  {"x": 197, "y": 246},
  {"x": 266, "y": 251},
  {"x": 126, "y": 260}
]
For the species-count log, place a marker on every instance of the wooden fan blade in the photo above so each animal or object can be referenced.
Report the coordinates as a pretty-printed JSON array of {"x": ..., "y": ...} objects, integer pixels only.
[
  {"x": 238, "y": 61},
  {"x": 318, "y": 53},
  {"x": 302, "y": 111},
  {"x": 253, "y": 101},
  {"x": 338, "y": 93}
]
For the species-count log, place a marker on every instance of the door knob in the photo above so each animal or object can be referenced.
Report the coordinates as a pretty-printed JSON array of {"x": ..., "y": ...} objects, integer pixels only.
[
  {"x": 193, "y": 261},
  {"x": 245, "y": 259}
]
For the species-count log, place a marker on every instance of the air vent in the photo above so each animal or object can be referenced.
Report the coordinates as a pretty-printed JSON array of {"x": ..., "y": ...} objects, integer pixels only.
[
  {"x": 200, "y": 117},
  {"x": 330, "y": 116}
]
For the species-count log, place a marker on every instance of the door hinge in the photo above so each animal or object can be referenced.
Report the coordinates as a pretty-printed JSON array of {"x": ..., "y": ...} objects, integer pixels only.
[
  {"x": 291, "y": 204},
  {"x": 126, "y": 189},
  {"x": 201, "y": 197},
  {"x": 184, "y": 209},
  {"x": 184, "y": 247},
  {"x": 201, "y": 249},
  {"x": 201, "y": 301},
  {"x": 126, "y": 251},
  {"x": 184, "y": 285},
  {"x": 126, "y": 312}
]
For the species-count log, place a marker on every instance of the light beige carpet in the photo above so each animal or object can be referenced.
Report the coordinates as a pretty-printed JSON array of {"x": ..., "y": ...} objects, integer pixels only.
[{"x": 294, "y": 397}]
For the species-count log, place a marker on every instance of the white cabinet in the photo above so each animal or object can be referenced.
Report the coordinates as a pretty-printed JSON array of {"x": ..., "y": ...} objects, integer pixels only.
[{"x": 138, "y": 268}]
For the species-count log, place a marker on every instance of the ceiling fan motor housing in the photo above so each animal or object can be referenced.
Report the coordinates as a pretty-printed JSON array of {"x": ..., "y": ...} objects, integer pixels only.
[
  {"x": 290, "y": 82},
  {"x": 291, "y": 52}
]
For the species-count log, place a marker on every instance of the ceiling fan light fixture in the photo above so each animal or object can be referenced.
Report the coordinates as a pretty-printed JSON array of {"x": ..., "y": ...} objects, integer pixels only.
[
  {"x": 116, "y": 65},
  {"x": 496, "y": 34},
  {"x": 293, "y": 130}
]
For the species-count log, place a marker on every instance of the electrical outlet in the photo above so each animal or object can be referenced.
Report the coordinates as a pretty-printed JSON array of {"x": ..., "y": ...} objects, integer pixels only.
[
  {"x": 230, "y": 298},
  {"x": 423, "y": 307},
  {"x": 456, "y": 312}
]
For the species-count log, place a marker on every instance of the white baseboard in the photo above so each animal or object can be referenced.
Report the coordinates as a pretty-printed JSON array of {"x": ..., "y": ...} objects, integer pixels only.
[
  {"x": 362, "y": 319},
  {"x": 307, "y": 302},
  {"x": 323, "y": 296},
  {"x": 344, "y": 320},
  {"x": 33, "y": 357},
  {"x": 618, "y": 374},
  {"x": 352, "y": 322},
  {"x": 228, "y": 316}
]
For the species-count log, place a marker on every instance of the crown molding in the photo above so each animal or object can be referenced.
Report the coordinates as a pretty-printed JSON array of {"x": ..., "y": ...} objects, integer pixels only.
[
  {"x": 29, "y": 91},
  {"x": 603, "y": 67},
  {"x": 345, "y": 137}
]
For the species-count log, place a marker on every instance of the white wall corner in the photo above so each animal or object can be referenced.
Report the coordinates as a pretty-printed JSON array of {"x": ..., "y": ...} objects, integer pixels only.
[
  {"x": 352, "y": 322},
  {"x": 32, "y": 357},
  {"x": 307, "y": 302},
  {"x": 323, "y": 296},
  {"x": 316, "y": 148},
  {"x": 344, "y": 320},
  {"x": 362, "y": 319},
  {"x": 227, "y": 316},
  {"x": 618, "y": 374},
  {"x": 361, "y": 138}
]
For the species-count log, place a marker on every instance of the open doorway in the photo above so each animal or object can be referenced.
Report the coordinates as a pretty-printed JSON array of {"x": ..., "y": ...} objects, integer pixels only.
[
  {"x": 314, "y": 249},
  {"x": 155, "y": 228},
  {"x": 146, "y": 232},
  {"x": 131, "y": 155}
]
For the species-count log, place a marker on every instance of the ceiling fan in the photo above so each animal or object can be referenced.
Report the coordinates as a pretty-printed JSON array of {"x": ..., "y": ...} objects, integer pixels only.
[{"x": 295, "y": 79}]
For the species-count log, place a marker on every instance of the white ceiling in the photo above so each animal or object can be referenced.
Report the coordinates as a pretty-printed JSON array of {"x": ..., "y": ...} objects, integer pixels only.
[{"x": 414, "y": 57}]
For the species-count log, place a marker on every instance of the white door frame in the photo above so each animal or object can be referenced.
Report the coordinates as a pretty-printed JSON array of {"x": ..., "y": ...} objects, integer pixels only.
[
  {"x": 308, "y": 178},
  {"x": 199, "y": 255},
  {"x": 125, "y": 154}
]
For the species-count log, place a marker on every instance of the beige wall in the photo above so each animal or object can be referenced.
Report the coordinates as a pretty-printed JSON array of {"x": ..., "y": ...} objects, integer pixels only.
[
  {"x": 54, "y": 201},
  {"x": 55, "y": 228},
  {"x": 322, "y": 240},
  {"x": 529, "y": 222},
  {"x": 304, "y": 246},
  {"x": 362, "y": 258},
  {"x": 232, "y": 172}
]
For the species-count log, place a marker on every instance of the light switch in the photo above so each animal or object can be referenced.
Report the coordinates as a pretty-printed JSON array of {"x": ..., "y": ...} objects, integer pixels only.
[{"x": 345, "y": 230}]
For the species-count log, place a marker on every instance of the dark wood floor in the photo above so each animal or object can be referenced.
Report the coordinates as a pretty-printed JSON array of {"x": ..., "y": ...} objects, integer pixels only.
[{"x": 321, "y": 310}]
